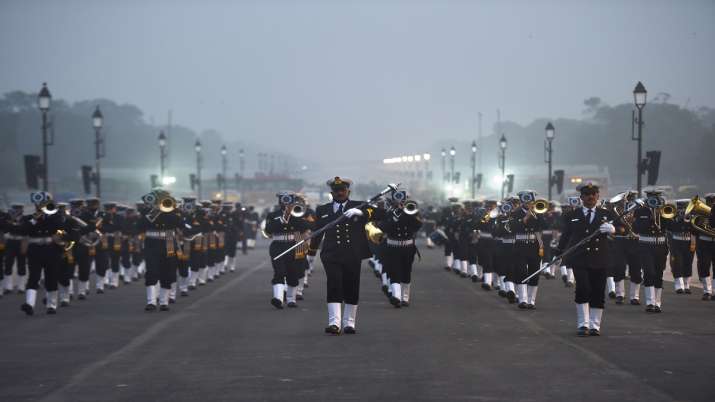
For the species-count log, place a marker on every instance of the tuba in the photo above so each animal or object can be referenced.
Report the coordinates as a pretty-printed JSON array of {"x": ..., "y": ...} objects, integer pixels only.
[{"x": 699, "y": 213}]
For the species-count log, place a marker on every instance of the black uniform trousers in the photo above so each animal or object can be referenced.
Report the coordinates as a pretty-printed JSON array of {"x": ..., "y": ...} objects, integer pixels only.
[
  {"x": 590, "y": 286},
  {"x": 547, "y": 238},
  {"x": 101, "y": 260},
  {"x": 231, "y": 245},
  {"x": 473, "y": 253},
  {"x": 197, "y": 260},
  {"x": 625, "y": 252},
  {"x": 681, "y": 258},
  {"x": 14, "y": 254},
  {"x": 84, "y": 261},
  {"x": 343, "y": 278},
  {"x": 47, "y": 258},
  {"x": 706, "y": 256},
  {"x": 398, "y": 262},
  {"x": 526, "y": 262},
  {"x": 653, "y": 259},
  {"x": 159, "y": 267},
  {"x": 285, "y": 269},
  {"x": 485, "y": 254},
  {"x": 125, "y": 255},
  {"x": 67, "y": 265},
  {"x": 449, "y": 245},
  {"x": 504, "y": 259}
]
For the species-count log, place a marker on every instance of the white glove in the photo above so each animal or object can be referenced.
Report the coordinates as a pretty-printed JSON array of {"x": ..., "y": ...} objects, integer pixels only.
[
  {"x": 353, "y": 212},
  {"x": 310, "y": 258},
  {"x": 607, "y": 228}
]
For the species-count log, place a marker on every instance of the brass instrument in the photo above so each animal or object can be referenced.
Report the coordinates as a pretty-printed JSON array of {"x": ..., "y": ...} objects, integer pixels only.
[
  {"x": 540, "y": 206},
  {"x": 699, "y": 214},
  {"x": 374, "y": 234},
  {"x": 668, "y": 211},
  {"x": 164, "y": 203},
  {"x": 60, "y": 238},
  {"x": 262, "y": 229},
  {"x": 410, "y": 207}
]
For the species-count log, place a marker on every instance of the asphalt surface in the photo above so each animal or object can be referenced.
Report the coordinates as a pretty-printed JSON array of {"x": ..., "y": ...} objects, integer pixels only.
[{"x": 455, "y": 342}]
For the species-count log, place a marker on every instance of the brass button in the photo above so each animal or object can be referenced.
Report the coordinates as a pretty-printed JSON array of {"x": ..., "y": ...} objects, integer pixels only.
[{"x": 338, "y": 242}]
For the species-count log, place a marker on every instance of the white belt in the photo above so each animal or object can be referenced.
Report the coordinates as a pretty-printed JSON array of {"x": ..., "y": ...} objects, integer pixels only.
[
  {"x": 525, "y": 237},
  {"x": 40, "y": 240},
  {"x": 156, "y": 234},
  {"x": 485, "y": 235},
  {"x": 400, "y": 243},
  {"x": 706, "y": 238},
  {"x": 284, "y": 237},
  {"x": 652, "y": 239},
  {"x": 548, "y": 232},
  {"x": 684, "y": 236},
  {"x": 508, "y": 241},
  {"x": 9, "y": 236}
]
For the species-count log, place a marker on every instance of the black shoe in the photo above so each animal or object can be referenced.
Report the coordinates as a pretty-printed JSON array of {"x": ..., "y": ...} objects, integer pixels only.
[
  {"x": 299, "y": 297},
  {"x": 100, "y": 291},
  {"x": 530, "y": 307},
  {"x": 332, "y": 329},
  {"x": 150, "y": 307},
  {"x": 511, "y": 296},
  {"x": 619, "y": 299},
  {"x": 112, "y": 287},
  {"x": 712, "y": 297},
  {"x": 64, "y": 303},
  {"x": 582, "y": 331},
  {"x": 650, "y": 308},
  {"x": 611, "y": 295},
  {"x": 192, "y": 287},
  {"x": 706, "y": 296},
  {"x": 51, "y": 311},
  {"x": 688, "y": 291},
  {"x": 292, "y": 305},
  {"x": 501, "y": 293},
  {"x": 405, "y": 304},
  {"x": 565, "y": 278},
  {"x": 522, "y": 305},
  {"x": 657, "y": 309},
  {"x": 385, "y": 289},
  {"x": 20, "y": 291},
  {"x": 164, "y": 307},
  {"x": 349, "y": 330},
  {"x": 594, "y": 332},
  {"x": 569, "y": 284},
  {"x": 172, "y": 301},
  {"x": 82, "y": 297},
  {"x": 447, "y": 268},
  {"x": 395, "y": 302},
  {"x": 474, "y": 278},
  {"x": 635, "y": 302},
  {"x": 27, "y": 309},
  {"x": 486, "y": 286},
  {"x": 277, "y": 303},
  {"x": 680, "y": 291},
  {"x": 184, "y": 293}
]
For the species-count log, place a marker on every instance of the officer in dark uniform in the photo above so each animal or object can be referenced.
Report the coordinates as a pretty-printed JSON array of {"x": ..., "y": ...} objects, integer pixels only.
[
  {"x": 649, "y": 225},
  {"x": 67, "y": 263},
  {"x": 197, "y": 238},
  {"x": 506, "y": 258},
  {"x": 400, "y": 226},
  {"x": 251, "y": 227},
  {"x": 4, "y": 225},
  {"x": 682, "y": 242},
  {"x": 48, "y": 232},
  {"x": 161, "y": 229},
  {"x": 14, "y": 255},
  {"x": 302, "y": 256},
  {"x": 526, "y": 225},
  {"x": 343, "y": 249},
  {"x": 449, "y": 222},
  {"x": 705, "y": 250},
  {"x": 112, "y": 240},
  {"x": 282, "y": 225},
  {"x": 92, "y": 247},
  {"x": 231, "y": 241},
  {"x": 129, "y": 244},
  {"x": 487, "y": 246},
  {"x": 591, "y": 260},
  {"x": 184, "y": 251},
  {"x": 552, "y": 220}
]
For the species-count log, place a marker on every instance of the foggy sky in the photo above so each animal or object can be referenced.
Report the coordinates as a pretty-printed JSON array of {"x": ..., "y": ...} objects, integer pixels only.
[{"x": 371, "y": 79}]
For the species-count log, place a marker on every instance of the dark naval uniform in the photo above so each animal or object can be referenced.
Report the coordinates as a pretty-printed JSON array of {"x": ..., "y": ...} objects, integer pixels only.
[
  {"x": 528, "y": 249},
  {"x": 14, "y": 251},
  {"x": 682, "y": 239}
]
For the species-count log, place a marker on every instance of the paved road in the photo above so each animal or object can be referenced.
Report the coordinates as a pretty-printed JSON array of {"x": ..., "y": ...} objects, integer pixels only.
[{"x": 456, "y": 342}]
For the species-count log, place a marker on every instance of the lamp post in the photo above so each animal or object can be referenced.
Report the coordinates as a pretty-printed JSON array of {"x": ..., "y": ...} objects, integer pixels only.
[
  {"x": 97, "y": 123},
  {"x": 224, "y": 151},
  {"x": 444, "y": 158},
  {"x": 162, "y": 156},
  {"x": 639, "y": 98},
  {"x": 474, "y": 167},
  {"x": 197, "y": 148},
  {"x": 426, "y": 157},
  {"x": 43, "y": 100},
  {"x": 550, "y": 132},
  {"x": 502, "y": 161},
  {"x": 241, "y": 170},
  {"x": 452, "y": 152}
]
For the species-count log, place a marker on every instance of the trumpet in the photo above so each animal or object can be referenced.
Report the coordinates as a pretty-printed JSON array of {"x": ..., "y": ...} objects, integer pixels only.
[
  {"x": 668, "y": 211},
  {"x": 298, "y": 210},
  {"x": 164, "y": 204},
  {"x": 410, "y": 207},
  {"x": 540, "y": 206}
]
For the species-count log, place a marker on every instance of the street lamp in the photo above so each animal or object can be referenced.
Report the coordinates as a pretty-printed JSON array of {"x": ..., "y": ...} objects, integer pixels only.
[
  {"x": 444, "y": 156},
  {"x": 550, "y": 133},
  {"x": 97, "y": 123},
  {"x": 43, "y": 101},
  {"x": 502, "y": 161},
  {"x": 241, "y": 168},
  {"x": 474, "y": 167},
  {"x": 162, "y": 155},
  {"x": 224, "y": 151},
  {"x": 639, "y": 98},
  {"x": 197, "y": 148},
  {"x": 452, "y": 152}
]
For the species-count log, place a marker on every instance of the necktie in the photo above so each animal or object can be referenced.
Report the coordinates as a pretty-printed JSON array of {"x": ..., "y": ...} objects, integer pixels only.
[
  {"x": 588, "y": 216},
  {"x": 340, "y": 209}
]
